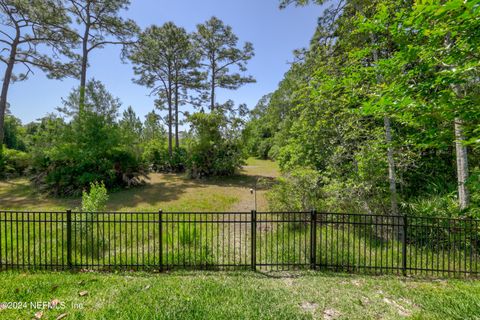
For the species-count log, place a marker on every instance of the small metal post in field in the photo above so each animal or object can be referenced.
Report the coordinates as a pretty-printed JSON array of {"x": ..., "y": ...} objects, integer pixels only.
[
  {"x": 160, "y": 246},
  {"x": 404, "y": 245},
  {"x": 313, "y": 239},
  {"x": 69, "y": 239},
  {"x": 253, "y": 223}
]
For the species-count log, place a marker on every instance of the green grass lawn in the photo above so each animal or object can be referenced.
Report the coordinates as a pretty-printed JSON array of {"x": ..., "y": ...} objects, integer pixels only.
[
  {"x": 170, "y": 192},
  {"x": 246, "y": 295},
  {"x": 218, "y": 295}
]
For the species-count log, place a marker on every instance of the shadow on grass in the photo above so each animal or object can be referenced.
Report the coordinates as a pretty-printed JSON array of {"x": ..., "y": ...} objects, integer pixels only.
[
  {"x": 170, "y": 187},
  {"x": 21, "y": 194},
  {"x": 160, "y": 189}
]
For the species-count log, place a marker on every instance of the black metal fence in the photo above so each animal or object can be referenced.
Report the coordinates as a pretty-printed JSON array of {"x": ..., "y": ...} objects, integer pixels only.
[{"x": 160, "y": 241}]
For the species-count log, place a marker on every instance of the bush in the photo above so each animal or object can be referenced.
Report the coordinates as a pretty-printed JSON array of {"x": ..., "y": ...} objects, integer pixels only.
[
  {"x": 87, "y": 150},
  {"x": 87, "y": 226},
  {"x": 298, "y": 190},
  {"x": 13, "y": 163},
  {"x": 156, "y": 155},
  {"x": 95, "y": 199},
  {"x": 214, "y": 150}
]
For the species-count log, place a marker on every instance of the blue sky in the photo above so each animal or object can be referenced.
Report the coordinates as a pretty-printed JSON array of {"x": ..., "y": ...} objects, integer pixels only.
[{"x": 274, "y": 33}]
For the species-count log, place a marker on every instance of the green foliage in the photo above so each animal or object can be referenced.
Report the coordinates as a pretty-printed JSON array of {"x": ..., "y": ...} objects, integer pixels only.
[
  {"x": 296, "y": 191},
  {"x": 215, "y": 149},
  {"x": 410, "y": 63},
  {"x": 258, "y": 134},
  {"x": 157, "y": 156},
  {"x": 87, "y": 149},
  {"x": 13, "y": 163},
  {"x": 35, "y": 34},
  {"x": 167, "y": 63},
  {"x": 96, "y": 198},
  {"x": 14, "y": 133},
  {"x": 97, "y": 101},
  {"x": 86, "y": 227}
]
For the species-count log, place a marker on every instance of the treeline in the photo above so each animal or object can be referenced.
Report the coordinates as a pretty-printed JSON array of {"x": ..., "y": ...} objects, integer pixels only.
[
  {"x": 86, "y": 141},
  {"x": 381, "y": 113}
]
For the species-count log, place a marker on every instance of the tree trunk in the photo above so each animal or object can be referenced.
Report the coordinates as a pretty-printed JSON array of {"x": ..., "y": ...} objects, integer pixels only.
[
  {"x": 212, "y": 94},
  {"x": 6, "y": 84},
  {"x": 388, "y": 139},
  {"x": 212, "y": 88},
  {"x": 177, "y": 140},
  {"x": 462, "y": 165},
  {"x": 391, "y": 167},
  {"x": 170, "y": 140},
  {"x": 83, "y": 74},
  {"x": 83, "y": 81},
  {"x": 170, "y": 116}
]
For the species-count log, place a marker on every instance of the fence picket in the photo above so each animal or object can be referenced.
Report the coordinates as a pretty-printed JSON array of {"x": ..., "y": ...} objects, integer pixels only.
[{"x": 214, "y": 240}]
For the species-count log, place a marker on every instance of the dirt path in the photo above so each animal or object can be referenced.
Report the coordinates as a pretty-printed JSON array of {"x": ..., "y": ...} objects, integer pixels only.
[{"x": 259, "y": 173}]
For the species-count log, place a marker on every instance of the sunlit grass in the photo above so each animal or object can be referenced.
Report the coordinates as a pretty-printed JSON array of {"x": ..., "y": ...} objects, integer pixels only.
[
  {"x": 246, "y": 295},
  {"x": 169, "y": 192}
]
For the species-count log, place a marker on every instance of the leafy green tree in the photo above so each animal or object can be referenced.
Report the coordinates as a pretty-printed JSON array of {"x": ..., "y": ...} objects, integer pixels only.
[
  {"x": 218, "y": 47},
  {"x": 258, "y": 133},
  {"x": 369, "y": 62},
  {"x": 92, "y": 147},
  {"x": 297, "y": 191},
  {"x": 15, "y": 134},
  {"x": 215, "y": 147},
  {"x": 95, "y": 199},
  {"x": 27, "y": 26},
  {"x": 443, "y": 60},
  {"x": 131, "y": 123},
  {"x": 152, "y": 128},
  {"x": 97, "y": 100}
]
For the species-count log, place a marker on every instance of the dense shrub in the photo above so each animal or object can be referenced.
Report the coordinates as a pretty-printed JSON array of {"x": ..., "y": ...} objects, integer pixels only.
[
  {"x": 214, "y": 150},
  {"x": 298, "y": 190},
  {"x": 93, "y": 201},
  {"x": 91, "y": 146},
  {"x": 156, "y": 155},
  {"x": 87, "y": 150},
  {"x": 13, "y": 163}
]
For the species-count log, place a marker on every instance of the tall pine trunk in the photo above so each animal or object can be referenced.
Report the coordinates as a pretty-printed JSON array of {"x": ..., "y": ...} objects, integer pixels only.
[
  {"x": 212, "y": 94},
  {"x": 177, "y": 140},
  {"x": 6, "y": 84},
  {"x": 170, "y": 135},
  {"x": 170, "y": 113},
  {"x": 83, "y": 73},
  {"x": 83, "y": 82},
  {"x": 212, "y": 84}
]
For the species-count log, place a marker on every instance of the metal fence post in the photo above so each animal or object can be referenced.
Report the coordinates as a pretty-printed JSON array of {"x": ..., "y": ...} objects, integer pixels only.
[
  {"x": 253, "y": 223},
  {"x": 160, "y": 246},
  {"x": 313, "y": 239},
  {"x": 69, "y": 239},
  {"x": 404, "y": 245}
]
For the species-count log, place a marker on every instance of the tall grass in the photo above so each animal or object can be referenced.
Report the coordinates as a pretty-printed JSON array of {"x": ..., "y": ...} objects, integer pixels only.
[{"x": 213, "y": 241}]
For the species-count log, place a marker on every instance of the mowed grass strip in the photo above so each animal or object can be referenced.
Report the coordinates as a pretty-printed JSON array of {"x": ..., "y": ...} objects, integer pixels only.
[{"x": 245, "y": 295}]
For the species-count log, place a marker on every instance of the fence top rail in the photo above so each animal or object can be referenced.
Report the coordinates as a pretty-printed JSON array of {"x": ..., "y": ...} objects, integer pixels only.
[
  {"x": 127, "y": 212},
  {"x": 319, "y": 213}
]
